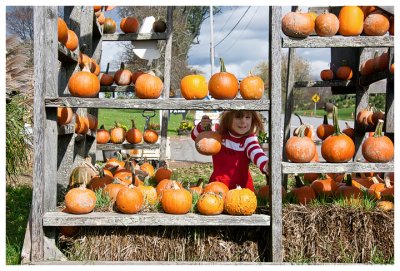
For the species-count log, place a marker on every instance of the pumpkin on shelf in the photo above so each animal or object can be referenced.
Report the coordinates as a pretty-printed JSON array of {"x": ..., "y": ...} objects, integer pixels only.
[
  {"x": 102, "y": 135},
  {"x": 338, "y": 147},
  {"x": 376, "y": 24},
  {"x": 198, "y": 188},
  {"x": 105, "y": 78},
  {"x": 92, "y": 121},
  {"x": 84, "y": 84},
  {"x": 324, "y": 186},
  {"x": 368, "y": 66},
  {"x": 223, "y": 85},
  {"x": 327, "y": 74},
  {"x": 147, "y": 167},
  {"x": 344, "y": 72},
  {"x": 378, "y": 148},
  {"x": 129, "y": 25},
  {"x": 109, "y": 26},
  {"x": 263, "y": 192},
  {"x": 308, "y": 132},
  {"x": 159, "y": 26},
  {"x": 164, "y": 185},
  {"x": 80, "y": 200},
  {"x": 135, "y": 75},
  {"x": 210, "y": 204},
  {"x": 125, "y": 174},
  {"x": 82, "y": 174},
  {"x": 150, "y": 136},
  {"x": 351, "y": 21},
  {"x": 149, "y": 194},
  {"x": 176, "y": 200},
  {"x": 381, "y": 63},
  {"x": 300, "y": 149},
  {"x": 129, "y": 200},
  {"x": 349, "y": 131},
  {"x": 85, "y": 60},
  {"x": 302, "y": 193},
  {"x": 81, "y": 124},
  {"x": 251, "y": 87},
  {"x": 325, "y": 129},
  {"x": 240, "y": 201},
  {"x": 115, "y": 163},
  {"x": 64, "y": 115},
  {"x": 194, "y": 87},
  {"x": 163, "y": 173},
  {"x": 62, "y": 31},
  {"x": 326, "y": 24},
  {"x": 113, "y": 188},
  {"x": 367, "y": 10},
  {"x": 362, "y": 116},
  {"x": 117, "y": 134},
  {"x": 100, "y": 181},
  {"x": 134, "y": 135},
  {"x": 217, "y": 188},
  {"x": 208, "y": 142},
  {"x": 123, "y": 76},
  {"x": 148, "y": 86},
  {"x": 348, "y": 191},
  {"x": 72, "y": 41},
  {"x": 298, "y": 24}
]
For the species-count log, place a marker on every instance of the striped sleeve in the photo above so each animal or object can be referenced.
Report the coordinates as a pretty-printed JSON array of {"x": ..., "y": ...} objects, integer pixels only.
[
  {"x": 255, "y": 153},
  {"x": 196, "y": 131}
]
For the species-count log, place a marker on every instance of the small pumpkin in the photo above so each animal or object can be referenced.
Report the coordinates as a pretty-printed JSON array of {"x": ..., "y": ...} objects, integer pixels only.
[
  {"x": 368, "y": 66},
  {"x": 129, "y": 200},
  {"x": 326, "y": 75},
  {"x": 378, "y": 148},
  {"x": 117, "y": 134},
  {"x": 92, "y": 121},
  {"x": 129, "y": 25},
  {"x": 102, "y": 135},
  {"x": 326, "y": 24},
  {"x": 308, "y": 132},
  {"x": 147, "y": 167},
  {"x": 148, "y": 86},
  {"x": 109, "y": 26},
  {"x": 85, "y": 60},
  {"x": 223, "y": 85},
  {"x": 100, "y": 181},
  {"x": 217, "y": 188},
  {"x": 135, "y": 75},
  {"x": 80, "y": 200},
  {"x": 159, "y": 26},
  {"x": 351, "y": 21},
  {"x": 176, "y": 200},
  {"x": 349, "y": 131},
  {"x": 263, "y": 192},
  {"x": 344, "y": 72},
  {"x": 325, "y": 129},
  {"x": 348, "y": 191},
  {"x": 150, "y": 136},
  {"x": 381, "y": 63},
  {"x": 367, "y": 10},
  {"x": 113, "y": 188},
  {"x": 194, "y": 87},
  {"x": 125, "y": 174},
  {"x": 115, "y": 163},
  {"x": 64, "y": 115},
  {"x": 324, "y": 186},
  {"x": 81, "y": 124},
  {"x": 376, "y": 24},
  {"x": 240, "y": 201},
  {"x": 251, "y": 87},
  {"x": 208, "y": 142},
  {"x": 149, "y": 194},
  {"x": 297, "y": 24},
  {"x": 302, "y": 193},
  {"x": 300, "y": 149},
  {"x": 72, "y": 41},
  {"x": 164, "y": 185},
  {"x": 62, "y": 31},
  {"x": 123, "y": 76},
  {"x": 338, "y": 147},
  {"x": 105, "y": 78},
  {"x": 84, "y": 84},
  {"x": 134, "y": 135},
  {"x": 363, "y": 115},
  {"x": 163, "y": 173},
  {"x": 82, "y": 174},
  {"x": 210, "y": 204}
]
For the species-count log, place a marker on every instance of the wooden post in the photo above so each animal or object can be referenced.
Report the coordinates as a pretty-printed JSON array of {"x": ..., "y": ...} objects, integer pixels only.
[
  {"x": 167, "y": 85},
  {"x": 275, "y": 150},
  {"x": 389, "y": 106}
]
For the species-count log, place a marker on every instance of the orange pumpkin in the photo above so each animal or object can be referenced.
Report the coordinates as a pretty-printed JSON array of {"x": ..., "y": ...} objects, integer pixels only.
[
  {"x": 176, "y": 200},
  {"x": 129, "y": 25},
  {"x": 210, "y": 204},
  {"x": 133, "y": 135},
  {"x": 381, "y": 63},
  {"x": 251, "y": 87},
  {"x": 348, "y": 191},
  {"x": 325, "y": 129},
  {"x": 115, "y": 163},
  {"x": 300, "y": 149},
  {"x": 326, "y": 75},
  {"x": 263, "y": 192},
  {"x": 367, "y": 67},
  {"x": 85, "y": 60},
  {"x": 129, "y": 200},
  {"x": 81, "y": 124},
  {"x": 105, "y": 78},
  {"x": 135, "y": 75},
  {"x": 148, "y": 86},
  {"x": 240, "y": 201},
  {"x": 324, "y": 186},
  {"x": 92, "y": 121},
  {"x": 351, "y": 21},
  {"x": 117, "y": 134},
  {"x": 102, "y": 135},
  {"x": 326, "y": 24},
  {"x": 112, "y": 189},
  {"x": 378, "y": 148},
  {"x": 147, "y": 167},
  {"x": 150, "y": 136},
  {"x": 109, "y": 26},
  {"x": 367, "y": 10},
  {"x": 149, "y": 194},
  {"x": 72, "y": 41},
  {"x": 194, "y": 87},
  {"x": 349, "y": 131},
  {"x": 162, "y": 173},
  {"x": 344, "y": 72},
  {"x": 62, "y": 30},
  {"x": 100, "y": 181},
  {"x": 124, "y": 175},
  {"x": 64, "y": 115},
  {"x": 96, "y": 8},
  {"x": 164, "y": 185},
  {"x": 297, "y": 24},
  {"x": 217, "y": 188},
  {"x": 208, "y": 142},
  {"x": 223, "y": 85},
  {"x": 302, "y": 193},
  {"x": 376, "y": 24},
  {"x": 80, "y": 200},
  {"x": 123, "y": 76},
  {"x": 84, "y": 84}
]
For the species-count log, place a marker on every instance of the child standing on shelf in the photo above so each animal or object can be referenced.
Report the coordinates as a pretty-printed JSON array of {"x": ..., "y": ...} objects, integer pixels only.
[{"x": 240, "y": 145}]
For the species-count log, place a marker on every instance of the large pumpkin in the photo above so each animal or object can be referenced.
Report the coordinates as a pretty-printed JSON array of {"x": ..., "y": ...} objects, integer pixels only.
[
  {"x": 337, "y": 148},
  {"x": 240, "y": 201},
  {"x": 134, "y": 135},
  {"x": 80, "y": 200},
  {"x": 300, "y": 149},
  {"x": 378, "y": 148},
  {"x": 176, "y": 200},
  {"x": 223, "y": 85},
  {"x": 62, "y": 30},
  {"x": 251, "y": 87},
  {"x": 297, "y": 24},
  {"x": 129, "y": 200},
  {"x": 194, "y": 87},
  {"x": 148, "y": 86},
  {"x": 351, "y": 21},
  {"x": 84, "y": 84},
  {"x": 129, "y": 25}
]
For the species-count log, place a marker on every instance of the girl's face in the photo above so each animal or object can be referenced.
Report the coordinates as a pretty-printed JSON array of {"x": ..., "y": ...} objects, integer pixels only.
[{"x": 242, "y": 125}]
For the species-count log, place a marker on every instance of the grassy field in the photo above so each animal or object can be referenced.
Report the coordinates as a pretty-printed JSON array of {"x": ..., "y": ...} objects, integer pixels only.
[{"x": 343, "y": 113}]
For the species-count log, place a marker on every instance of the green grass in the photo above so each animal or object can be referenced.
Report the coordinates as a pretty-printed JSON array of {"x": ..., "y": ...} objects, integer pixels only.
[
  {"x": 343, "y": 113},
  {"x": 18, "y": 204},
  {"x": 124, "y": 116}
]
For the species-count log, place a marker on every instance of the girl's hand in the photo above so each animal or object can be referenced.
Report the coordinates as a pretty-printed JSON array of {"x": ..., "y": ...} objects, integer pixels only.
[
  {"x": 266, "y": 169},
  {"x": 205, "y": 121}
]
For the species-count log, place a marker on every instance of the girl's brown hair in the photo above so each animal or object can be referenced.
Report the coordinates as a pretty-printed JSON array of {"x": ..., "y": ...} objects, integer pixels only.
[{"x": 227, "y": 117}]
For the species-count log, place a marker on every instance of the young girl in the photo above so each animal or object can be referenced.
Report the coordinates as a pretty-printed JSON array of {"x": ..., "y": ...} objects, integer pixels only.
[{"x": 239, "y": 146}]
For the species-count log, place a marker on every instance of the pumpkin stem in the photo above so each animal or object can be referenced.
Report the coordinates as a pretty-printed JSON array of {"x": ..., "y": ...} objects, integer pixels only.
[
  {"x": 122, "y": 67},
  {"x": 108, "y": 66},
  {"x": 347, "y": 179},
  {"x": 133, "y": 124},
  {"x": 378, "y": 129},
  {"x": 223, "y": 69},
  {"x": 299, "y": 182},
  {"x": 322, "y": 176},
  {"x": 301, "y": 121},
  {"x": 200, "y": 182},
  {"x": 325, "y": 120},
  {"x": 335, "y": 122},
  {"x": 102, "y": 127},
  {"x": 302, "y": 130},
  {"x": 347, "y": 125}
]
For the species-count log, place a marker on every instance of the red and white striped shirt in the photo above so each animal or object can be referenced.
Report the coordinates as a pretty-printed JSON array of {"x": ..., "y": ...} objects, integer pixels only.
[{"x": 231, "y": 164}]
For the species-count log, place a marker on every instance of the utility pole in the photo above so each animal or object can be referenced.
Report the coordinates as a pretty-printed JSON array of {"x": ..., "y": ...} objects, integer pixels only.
[{"x": 212, "y": 39}]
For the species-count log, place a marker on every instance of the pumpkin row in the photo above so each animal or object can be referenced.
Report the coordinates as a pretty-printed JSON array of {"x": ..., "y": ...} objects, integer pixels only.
[
  {"x": 337, "y": 147},
  {"x": 352, "y": 21},
  {"x": 83, "y": 122}
]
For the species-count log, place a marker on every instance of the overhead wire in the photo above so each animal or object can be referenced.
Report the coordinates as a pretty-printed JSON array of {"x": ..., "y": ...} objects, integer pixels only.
[{"x": 226, "y": 21}]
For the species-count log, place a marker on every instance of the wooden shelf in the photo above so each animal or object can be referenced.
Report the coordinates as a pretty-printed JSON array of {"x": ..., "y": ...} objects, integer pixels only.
[
  {"x": 166, "y": 104},
  {"x": 116, "y": 88},
  {"x": 152, "y": 219},
  {"x": 65, "y": 55},
  {"x": 134, "y": 36},
  {"x": 338, "y": 41},
  {"x": 370, "y": 79},
  {"x": 288, "y": 167},
  {"x": 331, "y": 83},
  {"x": 114, "y": 147}
]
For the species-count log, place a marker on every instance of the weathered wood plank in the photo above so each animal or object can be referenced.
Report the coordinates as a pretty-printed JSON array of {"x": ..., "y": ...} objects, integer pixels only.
[
  {"x": 115, "y": 147},
  {"x": 153, "y": 219},
  {"x": 370, "y": 79},
  {"x": 322, "y": 167},
  {"x": 134, "y": 36},
  {"x": 338, "y": 41},
  {"x": 237, "y": 104},
  {"x": 276, "y": 133},
  {"x": 65, "y": 55},
  {"x": 318, "y": 84},
  {"x": 389, "y": 106},
  {"x": 97, "y": 29}
]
